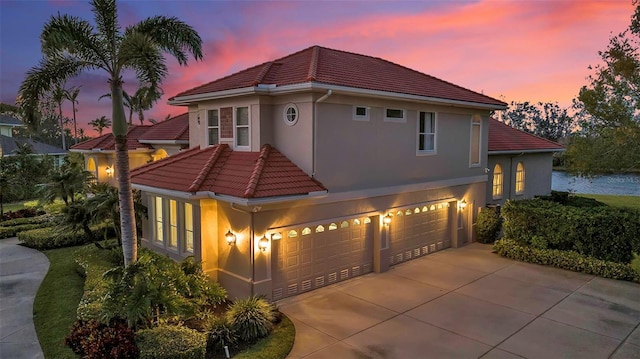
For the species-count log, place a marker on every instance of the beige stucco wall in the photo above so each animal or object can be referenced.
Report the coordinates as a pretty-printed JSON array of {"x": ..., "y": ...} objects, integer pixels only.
[
  {"x": 358, "y": 154},
  {"x": 537, "y": 171},
  {"x": 231, "y": 265}
]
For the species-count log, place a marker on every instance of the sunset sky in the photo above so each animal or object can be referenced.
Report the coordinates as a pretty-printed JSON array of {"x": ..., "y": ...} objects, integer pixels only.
[{"x": 526, "y": 50}]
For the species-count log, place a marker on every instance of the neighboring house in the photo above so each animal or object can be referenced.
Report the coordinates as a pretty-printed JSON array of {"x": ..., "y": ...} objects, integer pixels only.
[
  {"x": 519, "y": 164},
  {"x": 9, "y": 145},
  {"x": 318, "y": 167},
  {"x": 145, "y": 144}
]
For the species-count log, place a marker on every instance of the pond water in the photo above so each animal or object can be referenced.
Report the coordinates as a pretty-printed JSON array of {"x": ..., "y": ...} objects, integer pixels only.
[{"x": 625, "y": 184}]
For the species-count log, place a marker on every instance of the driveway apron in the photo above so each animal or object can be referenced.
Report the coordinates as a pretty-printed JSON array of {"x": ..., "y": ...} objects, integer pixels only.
[
  {"x": 22, "y": 270},
  {"x": 468, "y": 303}
]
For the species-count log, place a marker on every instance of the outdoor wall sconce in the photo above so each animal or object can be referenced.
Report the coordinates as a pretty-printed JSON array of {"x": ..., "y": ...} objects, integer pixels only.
[
  {"x": 462, "y": 204},
  {"x": 263, "y": 243},
  {"x": 109, "y": 171},
  {"x": 230, "y": 237},
  {"x": 387, "y": 219}
]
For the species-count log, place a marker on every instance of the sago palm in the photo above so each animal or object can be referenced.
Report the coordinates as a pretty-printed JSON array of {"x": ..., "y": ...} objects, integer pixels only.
[{"x": 71, "y": 45}]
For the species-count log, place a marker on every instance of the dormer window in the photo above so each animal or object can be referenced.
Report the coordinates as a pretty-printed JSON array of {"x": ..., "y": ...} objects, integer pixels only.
[
  {"x": 242, "y": 127},
  {"x": 213, "y": 127}
]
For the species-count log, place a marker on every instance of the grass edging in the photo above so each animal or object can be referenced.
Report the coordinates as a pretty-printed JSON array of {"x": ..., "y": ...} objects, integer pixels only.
[
  {"x": 54, "y": 307},
  {"x": 276, "y": 346},
  {"x": 570, "y": 260}
]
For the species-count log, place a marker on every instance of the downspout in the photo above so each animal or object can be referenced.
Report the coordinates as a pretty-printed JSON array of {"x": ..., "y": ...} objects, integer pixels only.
[
  {"x": 251, "y": 241},
  {"x": 315, "y": 127}
]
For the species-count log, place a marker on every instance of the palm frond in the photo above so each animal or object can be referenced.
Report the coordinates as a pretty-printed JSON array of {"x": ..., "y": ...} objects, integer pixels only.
[
  {"x": 140, "y": 52},
  {"x": 171, "y": 35},
  {"x": 106, "y": 18},
  {"x": 70, "y": 36}
]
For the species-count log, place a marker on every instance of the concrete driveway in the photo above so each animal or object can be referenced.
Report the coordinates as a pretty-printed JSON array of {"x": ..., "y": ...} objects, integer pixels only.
[{"x": 468, "y": 303}]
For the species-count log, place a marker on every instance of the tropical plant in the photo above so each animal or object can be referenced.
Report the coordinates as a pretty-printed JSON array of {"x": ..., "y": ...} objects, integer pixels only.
[
  {"x": 100, "y": 123},
  {"x": 66, "y": 182},
  {"x": 251, "y": 318},
  {"x": 59, "y": 94},
  {"x": 142, "y": 100},
  {"x": 71, "y": 45}
]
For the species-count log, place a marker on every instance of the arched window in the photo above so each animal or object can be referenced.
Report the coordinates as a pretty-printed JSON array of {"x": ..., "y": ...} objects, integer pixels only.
[
  {"x": 91, "y": 167},
  {"x": 520, "y": 178},
  {"x": 160, "y": 154},
  {"x": 497, "y": 181}
]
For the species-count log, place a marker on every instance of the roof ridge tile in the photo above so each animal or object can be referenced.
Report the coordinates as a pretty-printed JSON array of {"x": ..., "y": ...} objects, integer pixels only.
[
  {"x": 197, "y": 182},
  {"x": 258, "y": 168},
  {"x": 265, "y": 70},
  {"x": 312, "y": 75}
]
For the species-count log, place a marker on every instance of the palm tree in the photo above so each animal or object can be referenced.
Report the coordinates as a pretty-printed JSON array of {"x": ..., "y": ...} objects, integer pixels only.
[
  {"x": 100, "y": 123},
  {"x": 59, "y": 94},
  {"x": 71, "y": 45},
  {"x": 143, "y": 100},
  {"x": 72, "y": 95}
]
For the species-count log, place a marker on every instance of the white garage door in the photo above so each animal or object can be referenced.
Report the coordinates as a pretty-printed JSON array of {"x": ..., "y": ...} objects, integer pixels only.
[
  {"x": 419, "y": 230},
  {"x": 310, "y": 257}
]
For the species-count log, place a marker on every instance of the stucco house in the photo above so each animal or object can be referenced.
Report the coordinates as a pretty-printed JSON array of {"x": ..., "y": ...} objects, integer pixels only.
[
  {"x": 321, "y": 166},
  {"x": 318, "y": 167},
  {"x": 519, "y": 164},
  {"x": 144, "y": 143}
]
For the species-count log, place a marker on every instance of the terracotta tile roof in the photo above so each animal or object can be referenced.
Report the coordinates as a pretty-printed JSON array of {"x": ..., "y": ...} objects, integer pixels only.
[
  {"x": 220, "y": 170},
  {"x": 504, "y": 138},
  {"x": 107, "y": 142},
  {"x": 341, "y": 68},
  {"x": 173, "y": 129}
]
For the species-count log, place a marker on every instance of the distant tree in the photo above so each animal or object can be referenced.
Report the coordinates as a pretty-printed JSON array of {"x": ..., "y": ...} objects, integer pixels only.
[
  {"x": 545, "y": 119},
  {"x": 143, "y": 100},
  {"x": 71, "y": 45},
  {"x": 609, "y": 107},
  {"x": 59, "y": 94},
  {"x": 72, "y": 95},
  {"x": 100, "y": 123},
  {"x": 5, "y": 108},
  {"x": 8, "y": 182}
]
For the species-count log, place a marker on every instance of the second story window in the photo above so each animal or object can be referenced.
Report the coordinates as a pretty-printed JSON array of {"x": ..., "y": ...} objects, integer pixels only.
[
  {"x": 474, "y": 156},
  {"x": 395, "y": 115},
  {"x": 360, "y": 113},
  {"x": 427, "y": 133},
  {"x": 213, "y": 127},
  {"x": 242, "y": 127}
]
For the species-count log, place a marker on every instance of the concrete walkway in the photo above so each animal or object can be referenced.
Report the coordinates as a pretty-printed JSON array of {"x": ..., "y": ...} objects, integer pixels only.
[
  {"x": 21, "y": 272},
  {"x": 468, "y": 303}
]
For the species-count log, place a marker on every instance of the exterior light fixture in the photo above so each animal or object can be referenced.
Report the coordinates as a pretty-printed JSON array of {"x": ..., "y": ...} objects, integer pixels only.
[
  {"x": 462, "y": 204},
  {"x": 386, "y": 219},
  {"x": 109, "y": 171},
  {"x": 263, "y": 243},
  {"x": 230, "y": 237}
]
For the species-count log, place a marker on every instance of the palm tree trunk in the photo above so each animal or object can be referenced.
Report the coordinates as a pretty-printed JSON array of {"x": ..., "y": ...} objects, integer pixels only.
[
  {"x": 64, "y": 142},
  {"x": 125, "y": 196},
  {"x": 75, "y": 124}
]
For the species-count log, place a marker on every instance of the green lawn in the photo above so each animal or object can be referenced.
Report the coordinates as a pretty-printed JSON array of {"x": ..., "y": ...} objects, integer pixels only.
[
  {"x": 54, "y": 309},
  {"x": 615, "y": 201},
  {"x": 13, "y": 206}
]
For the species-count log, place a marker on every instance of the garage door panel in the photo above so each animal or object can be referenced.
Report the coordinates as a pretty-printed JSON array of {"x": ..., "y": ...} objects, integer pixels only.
[
  {"x": 326, "y": 254},
  {"x": 419, "y": 233}
]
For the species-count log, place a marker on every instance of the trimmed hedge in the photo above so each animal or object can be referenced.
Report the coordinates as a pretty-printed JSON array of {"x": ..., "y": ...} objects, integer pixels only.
[
  {"x": 607, "y": 233},
  {"x": 7, "y": 232},
  {"x": 489, "y": 225},
  {"x": 92, "y": 263},
  {"x": 570, "y": 260},
  {"x": 28, "y": 220},
  {"x": 56, "y": 237},
  {"x": 171, "y": 342}
]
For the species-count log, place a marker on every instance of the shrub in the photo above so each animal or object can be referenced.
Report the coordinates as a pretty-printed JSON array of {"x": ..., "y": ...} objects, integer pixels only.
[
  {"x": 95, "y": 340},
  {"x": 6, "y": 232},
  {"x": 21, "y": 213},
  {"x": 570, "y": 260},
  {"x": 221, "y": 334},
  {"x": 51, "y": 237},
  {"x": 606, "y": 233},
  {"x": 157, "y": 289},
  {"x": 251, "y": 318},
  {"x": 489, "y": 225},
  {"x": 171, "y": 342},
  {"x": 93, "y": 262},
  {"x": 44, "y": 219}
]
